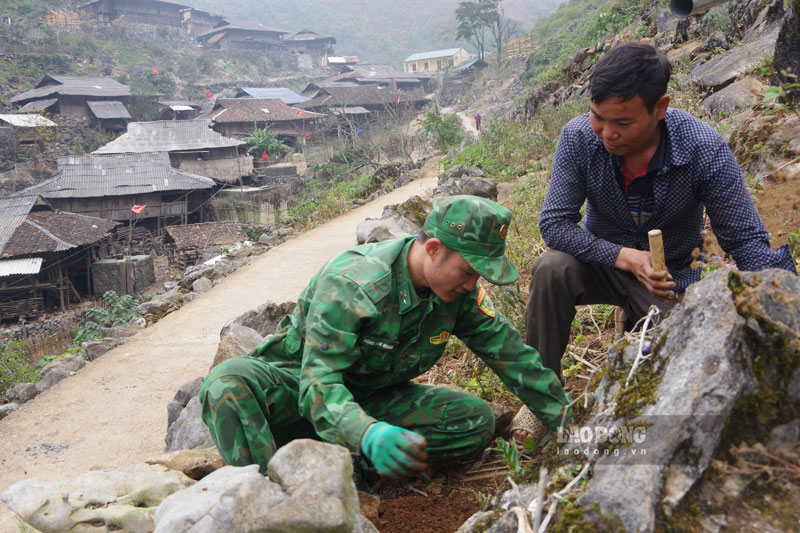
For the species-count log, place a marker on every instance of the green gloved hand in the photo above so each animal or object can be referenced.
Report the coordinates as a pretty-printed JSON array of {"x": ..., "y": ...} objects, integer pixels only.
[{"x": 394, "y": 451}]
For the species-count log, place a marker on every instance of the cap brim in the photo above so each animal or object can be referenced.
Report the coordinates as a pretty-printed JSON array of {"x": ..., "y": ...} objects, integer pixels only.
[{"x": 496, "y": 270}]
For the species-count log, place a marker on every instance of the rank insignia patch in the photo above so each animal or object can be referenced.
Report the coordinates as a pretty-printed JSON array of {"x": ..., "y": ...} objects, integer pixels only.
[
  {"x": 485, "y": 303},
  {"x": 441, "y": 338}
]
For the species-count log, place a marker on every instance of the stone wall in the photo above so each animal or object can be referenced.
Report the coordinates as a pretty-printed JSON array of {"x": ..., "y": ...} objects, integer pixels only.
[
  {"x": 106, "y": 274},
  {"x": 263, "y": 206}
]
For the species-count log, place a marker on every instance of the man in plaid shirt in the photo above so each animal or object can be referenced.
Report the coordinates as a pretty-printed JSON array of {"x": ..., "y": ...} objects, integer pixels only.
[{"x": 638, "y": 165}]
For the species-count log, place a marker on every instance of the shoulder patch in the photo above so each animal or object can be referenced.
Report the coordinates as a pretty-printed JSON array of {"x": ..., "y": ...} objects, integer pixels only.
[{"x": 485, "y": 303}]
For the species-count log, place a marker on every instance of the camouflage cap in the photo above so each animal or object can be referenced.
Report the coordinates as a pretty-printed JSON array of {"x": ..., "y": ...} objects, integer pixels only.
[{"x": 476, "y": 228}]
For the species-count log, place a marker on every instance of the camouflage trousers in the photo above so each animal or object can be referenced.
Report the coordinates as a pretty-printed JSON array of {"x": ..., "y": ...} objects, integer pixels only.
[{"x": 251, "y": 408}]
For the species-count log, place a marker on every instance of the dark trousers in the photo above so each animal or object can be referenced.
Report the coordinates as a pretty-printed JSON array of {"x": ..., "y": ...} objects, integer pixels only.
[{"x": 559, "y": 283}]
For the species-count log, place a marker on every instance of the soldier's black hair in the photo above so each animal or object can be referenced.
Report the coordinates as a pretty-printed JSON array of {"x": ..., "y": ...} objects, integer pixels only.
[{"x": 631, "y": 69}]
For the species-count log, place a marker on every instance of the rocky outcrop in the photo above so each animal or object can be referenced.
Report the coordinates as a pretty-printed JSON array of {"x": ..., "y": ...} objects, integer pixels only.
[
  {"x": 195, "y": 464},
  {"x": 721, "y": 70},
  {"x": 376, "y": 230},
  {"x": 238, "y": 340},
  {"x": 787, "y": 50},
  {"x": 735, "y": 97},
  {"x": 309, "y": 488},
  {"x": 264, "y": 319},
  {"x": 185, "y": 428},
  {"x": 59, "y": 369},
  {"x": 102, "y": 500},
  {"x": 705, "y": 380}
]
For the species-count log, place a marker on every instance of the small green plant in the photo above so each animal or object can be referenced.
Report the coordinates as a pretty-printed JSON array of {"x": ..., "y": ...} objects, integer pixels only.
[
  {"x": 444, "y": 130},
  {"x": 261, "y": 140},
  {"x": 784, "y": 93},
  {"x": 509, "y": 453},
  {"x": 14, "y": 366},
  {"x": 117, "y": 310}
]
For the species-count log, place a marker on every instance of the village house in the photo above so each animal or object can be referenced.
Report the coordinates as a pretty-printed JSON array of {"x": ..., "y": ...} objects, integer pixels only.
[
  {"x": 200, "y": 242},
  {"x": 192, "y": 146},
  {"x": 287, "y": 123},
  {"x": 76, "y": 96},
  {"x": 314, "y": 46},
  {"x": 108, "y": 186},
  {"x": 28, "y": 128},
  {"x": 45, "y": 255},
  {"x": 177, "y": 110},
  {"x": 340, "y": 62},
  {"x": 243, "y": 38},
  {"x": 435, "y": 61},
  {"x": 374, "y": 98},
  {"x": 382, "y": 75},
  {"x": 288, "y": 96},
  {"x": 194, "y": 21}
]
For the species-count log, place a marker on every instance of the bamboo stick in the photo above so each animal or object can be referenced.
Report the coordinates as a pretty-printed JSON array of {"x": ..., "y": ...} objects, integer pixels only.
[{"x": 657, "y": 250}]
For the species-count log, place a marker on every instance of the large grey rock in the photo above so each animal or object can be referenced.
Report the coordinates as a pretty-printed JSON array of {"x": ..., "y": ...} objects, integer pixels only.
[
  {"x": 121, "y": 332},
  {"x": 787, "y": 49},
  {"x": 186, "y": 392},
  {"x": 736, "y": 96},
  {"x": 100, "y": 500},
  {"x": 309, "y": 489},
  {"x": 472, "y": 185},
  {"x": 201, "y": 285},
  {"x": 188, "y": 431},
  {"x": 666, "y": 21},
  {"x": 376, "y": 230},
  {"x": 97, "y": 348},
  {"x": 238, "y": 340},
  {"x": 415, "y": 209},
  {"x": 161, "y": 305},
  {"x": 721, "y": 70},
  {"x": 705, "y": 354},
  {"x": 7, "y": 409},
  {"x": 22, "y": 392},
  {"x": 59, "y": 369},
  {"x": 196, "y": 464},
  {"x": 264, "y": 320}
]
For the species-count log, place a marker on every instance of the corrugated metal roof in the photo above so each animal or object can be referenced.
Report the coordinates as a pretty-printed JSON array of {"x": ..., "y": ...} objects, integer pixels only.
[
  {"x": 108, "y": 109},
  {"x": 360, "y": 95},
  {"x": 28, "y": 121},
  {"x": 38, "y": 105},
  {"x": 74, "y": 85},
  {"x": 179, "y": 107},
  {"x": 55, "y": 231},
  {"x": 116, "y": 175},
  {"x": 288, "y": 96},
  {"x": 20, "y": 267},
  {"x": 258, "y": 109},
  {"x": 357, "y": 110},
  {"x": 167, "y": 136},
  {"x": 447, "y": 52},
  {"x": 13, "y": 210}
]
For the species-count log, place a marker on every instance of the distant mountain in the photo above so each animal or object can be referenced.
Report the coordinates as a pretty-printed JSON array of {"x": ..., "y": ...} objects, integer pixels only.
[{"x": 378, "y": 31}]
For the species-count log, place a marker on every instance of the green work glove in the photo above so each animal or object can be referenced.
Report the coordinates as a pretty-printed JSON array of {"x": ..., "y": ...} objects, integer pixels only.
[{"x": 394, "y": 451}]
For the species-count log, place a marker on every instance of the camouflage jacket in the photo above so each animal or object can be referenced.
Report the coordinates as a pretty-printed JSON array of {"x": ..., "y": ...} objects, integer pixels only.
[{"x": 360, "y": 324}]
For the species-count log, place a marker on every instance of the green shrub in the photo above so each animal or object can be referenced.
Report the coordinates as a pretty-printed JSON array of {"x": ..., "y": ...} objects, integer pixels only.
[
  {"x": 15, "y": 367},
  {"x": 444, "y": 130},
  {"x": 117, "y": 310}
]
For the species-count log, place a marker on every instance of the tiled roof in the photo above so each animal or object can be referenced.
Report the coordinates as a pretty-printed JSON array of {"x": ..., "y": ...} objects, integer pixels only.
[
  {"x": 167, "y": 136},
  {"x": 288, "y": 96},
  {"x": 206, "y": 234},
  {"x": 359, "y": 95},
  {"x": 28, "y": 121},
  {"x": 116, "y": 175},
  {"x": 38, "y": 105},
  {"x": 55, "y": 231},
  {"x": 306, "y": 35},
  {"x": 258, "y": 109},
  {"x": 447, "y": 52},
  {"x": 74, "y": 85},
  {"x": 245, "y": 27},
  {"x": 109, "y": 109}
]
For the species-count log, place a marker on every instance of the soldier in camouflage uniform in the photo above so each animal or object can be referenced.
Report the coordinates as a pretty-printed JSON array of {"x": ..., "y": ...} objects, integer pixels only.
[{"x": 375, "y": 317}]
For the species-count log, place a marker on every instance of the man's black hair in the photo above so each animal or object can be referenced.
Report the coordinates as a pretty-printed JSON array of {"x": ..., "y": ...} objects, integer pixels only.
[{"x": 631, "y": 69}]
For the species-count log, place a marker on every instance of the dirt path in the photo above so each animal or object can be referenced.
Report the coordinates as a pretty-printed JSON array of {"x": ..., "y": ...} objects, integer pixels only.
[{"x": 113, "y": 411}]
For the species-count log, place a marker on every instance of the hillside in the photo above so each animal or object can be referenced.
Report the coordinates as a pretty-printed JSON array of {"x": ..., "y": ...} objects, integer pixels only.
[{"x": 378, "y": 31}]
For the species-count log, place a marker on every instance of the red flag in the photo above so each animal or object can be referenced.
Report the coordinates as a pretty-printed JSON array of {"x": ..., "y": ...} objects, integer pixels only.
[
  {"x": 155, "y": 71},
  {"x": 264, "y": 155},
  {"x": 208, "y": 94},
  {"x": 138, "y": 208},
  {"x": 301, "y": 112}
]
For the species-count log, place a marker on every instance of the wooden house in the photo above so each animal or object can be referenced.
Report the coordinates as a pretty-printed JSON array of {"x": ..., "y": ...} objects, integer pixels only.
[
  {"x": 310, "y": 43},
  {"x": 243, "y": 37},
  {"x": 435, "y": 61},
  {"x": 27, "y": 128},
  {"x": 192, "y": 146},
  {"x": 373, "y": 97},
  {"x": 45, "y": 255},
  {"x": 194, "y": 21},
  {"x": 177, "y": 110},
  {"x": 108, "y": 186},
  {"x": 289, "y": 124},
  {"x": 70, "y": 96}
]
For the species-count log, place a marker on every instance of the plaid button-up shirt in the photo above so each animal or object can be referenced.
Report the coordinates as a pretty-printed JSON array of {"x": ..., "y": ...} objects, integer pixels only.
[{"x": 698, "y": 171}]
